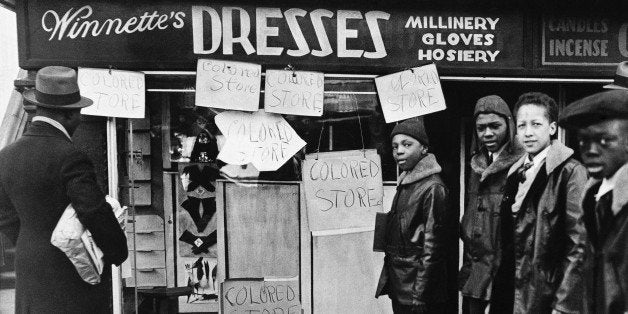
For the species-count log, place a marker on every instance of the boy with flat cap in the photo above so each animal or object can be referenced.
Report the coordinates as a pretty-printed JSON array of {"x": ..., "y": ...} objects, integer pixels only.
[
  {"x": 495, "y": 150},
  {"x": 420, "y": 228},
  {"x": 602, "y": 124}
]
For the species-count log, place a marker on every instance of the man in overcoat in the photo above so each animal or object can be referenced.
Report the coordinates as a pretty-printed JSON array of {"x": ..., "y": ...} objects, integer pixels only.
[
  {"x": 602, "y": 124},
  {"x": 495, "y": 150},
  {"x": 40, "y": 175}
]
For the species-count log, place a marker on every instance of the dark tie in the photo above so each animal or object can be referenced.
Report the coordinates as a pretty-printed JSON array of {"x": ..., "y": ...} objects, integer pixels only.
[
  {"x": 489, "y": 159},
  {"x": 604, "y": 215},
  {"x": 521, "y": 172}
]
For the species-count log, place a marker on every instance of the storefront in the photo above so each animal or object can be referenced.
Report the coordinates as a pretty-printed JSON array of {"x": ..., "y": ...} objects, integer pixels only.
[{"x": 198, "y": 221}]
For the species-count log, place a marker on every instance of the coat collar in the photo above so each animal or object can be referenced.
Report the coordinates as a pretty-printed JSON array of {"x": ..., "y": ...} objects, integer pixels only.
[
  {"x": 620, "y": 192},
  {"x": 508, "y": 156},
  {"x": 426, "y": 167},
  {"x": 43, "y": 129},
  {"x": 557, "y": 154}
]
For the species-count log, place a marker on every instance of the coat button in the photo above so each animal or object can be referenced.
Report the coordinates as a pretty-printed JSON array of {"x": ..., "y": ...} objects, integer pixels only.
[{"x": 475, "y": 258}]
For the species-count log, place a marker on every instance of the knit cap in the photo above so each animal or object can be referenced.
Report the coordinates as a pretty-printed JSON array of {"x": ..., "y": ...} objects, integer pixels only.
[{"x": 413, "y": 127}]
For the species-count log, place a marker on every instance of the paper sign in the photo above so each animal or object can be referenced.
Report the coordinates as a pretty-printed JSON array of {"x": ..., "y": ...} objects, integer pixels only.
[
  {"x": 260, "y": 296},
  {"x": 294, "y": 92},
  {"x": 264, "y": 139},
  {"x": 228, "y": 84},
  {"x": 115, "y": 93},
  {"x": 343, "y": 190},
  {"x": 410, "y": 93}
]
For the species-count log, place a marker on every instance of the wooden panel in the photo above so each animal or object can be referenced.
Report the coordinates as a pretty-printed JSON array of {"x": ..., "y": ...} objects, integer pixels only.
[
  {"x": 142, "y": 194},
  {"x": 141, "y": 124},
  {"x": 148, "y": 223},
  {"x": 148, "y": 277},
  {"x": 146, "y": 241},
  {"x": 151, "y": 259},
  {"x": 165, "y": 132},
  {"x": 221, "y": 232},
  {"x": 345, "y": 274},
  {"x": 262, "y": 230},
  {"x": 169, "y": 229},
  {"x": 306, "y": 258},
  {"x": 141, "y": 142},
  {"x": 140, "y": 168}
]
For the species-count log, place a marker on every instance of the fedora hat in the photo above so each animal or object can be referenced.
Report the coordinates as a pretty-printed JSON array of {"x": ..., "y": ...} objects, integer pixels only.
[
  {"x": 621, "y": 77},
  {"x": 56, "y": 87}
]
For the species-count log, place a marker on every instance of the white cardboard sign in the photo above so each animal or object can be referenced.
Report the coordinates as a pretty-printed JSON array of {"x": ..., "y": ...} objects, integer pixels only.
[
  {"x": 343, "y": 190},
  {"x": 115, "y": 93},
  {"x": 228, "y": 84},
  {"x": 294, "y": 92},
  {"x": 264, "y": 139},
  {"x": 410, "y": 93}
]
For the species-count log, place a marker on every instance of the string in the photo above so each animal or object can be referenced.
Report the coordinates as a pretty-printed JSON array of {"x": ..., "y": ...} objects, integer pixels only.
[
  {"x": 319, "y": 139},
  {"x": 357, "y": 110}
]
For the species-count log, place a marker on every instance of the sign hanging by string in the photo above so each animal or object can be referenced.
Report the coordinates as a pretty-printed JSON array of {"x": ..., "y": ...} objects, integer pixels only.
[
  {"x": 410, "y": 93},
  {"x": 228, "y": 84},
  {"x": 264, "y": 139},
  {"x": 260, "y": 295},
  {"x": 294, "y": 92},
  {"x": 343, "y": 190},
  {"x": 116, "y": 93}
]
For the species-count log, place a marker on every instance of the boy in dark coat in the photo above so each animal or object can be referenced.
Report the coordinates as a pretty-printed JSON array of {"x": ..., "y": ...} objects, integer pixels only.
[
  {"x": 420, "y": 228},
  {"x": 543, "y": 237},
  {"x": 40, "y": 175},
  {"x": 602, "y": 123},
  {"x": 494, "y": 153}
]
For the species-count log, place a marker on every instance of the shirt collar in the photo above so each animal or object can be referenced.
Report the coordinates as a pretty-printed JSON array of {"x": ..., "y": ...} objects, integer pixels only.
[
  {"x": 495, "y": 155},
  {"x": 54, "y": 123},
  {"x": 536, "y": 160},
  {"x": 608, "y": 184}
]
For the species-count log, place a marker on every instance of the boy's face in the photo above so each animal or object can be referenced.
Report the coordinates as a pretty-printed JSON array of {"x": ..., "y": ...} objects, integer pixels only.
[
  {"x": 407, "y": 151},
  {"x": 604, "y": 147},
  {"x": 534, "y": 130},
  {"x": 491, "y": 130}
]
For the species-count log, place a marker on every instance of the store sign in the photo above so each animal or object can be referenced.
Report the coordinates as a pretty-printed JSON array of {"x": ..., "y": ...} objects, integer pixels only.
[
  {"x": 294, "y": 92},
  {"x": 584, "y": 41},
  {"x": 343, "y": 190},
  {"x": 271, "y": 296},
  {"x": 228, "y": 84},
  {"x": 115, "y": 93},
  {"x": 264, "y": 139},
  {"x": 133, "y": 35},
  {"x": 410, "y": 93}
]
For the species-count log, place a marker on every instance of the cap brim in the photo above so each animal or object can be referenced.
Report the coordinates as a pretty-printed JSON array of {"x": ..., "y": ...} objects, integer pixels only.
[
  {"x": 613, "y": 86},
  {"x": 29, "y": 95}
]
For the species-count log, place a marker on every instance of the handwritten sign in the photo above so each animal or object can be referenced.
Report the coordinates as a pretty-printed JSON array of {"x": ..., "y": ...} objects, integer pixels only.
[
  {"x": 264, "y": 139},
  {"x": 228, "y": 84},
  {"x": 343, "y": 190},
  {"x": 115, "y": 93},
  {"x": 410, "y": 93},
  {"x": 260, "y": 296},
  {"x": 294, "y": 92}
]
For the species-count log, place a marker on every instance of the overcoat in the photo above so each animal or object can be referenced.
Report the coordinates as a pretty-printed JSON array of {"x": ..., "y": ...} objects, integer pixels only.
[
  {"x": 480, "y": 226},
  {"x": 609, "y": 237},
  {"x": 547, "y": 237},
  {"x": 40, "y": 174},
  {"x": 421, "y": 231}
]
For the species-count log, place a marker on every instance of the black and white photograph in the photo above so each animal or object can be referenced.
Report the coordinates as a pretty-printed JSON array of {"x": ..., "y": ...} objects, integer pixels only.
[{"x": 326, "y": 157}]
